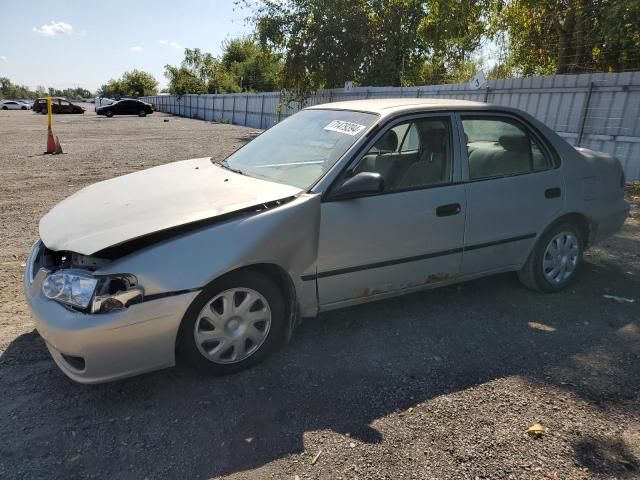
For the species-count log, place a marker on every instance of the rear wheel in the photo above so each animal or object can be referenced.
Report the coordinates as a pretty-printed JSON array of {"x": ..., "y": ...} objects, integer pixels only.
[
  {"x": 234, "y": 323},
  {"x": 555, "y": 259},
  {"x": 142, "y": 113}
]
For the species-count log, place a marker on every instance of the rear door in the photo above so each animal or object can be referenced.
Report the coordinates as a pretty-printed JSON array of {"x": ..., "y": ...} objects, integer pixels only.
[
  {"x": 410, "y": 235},
  {"x": 514, "y": 190}
]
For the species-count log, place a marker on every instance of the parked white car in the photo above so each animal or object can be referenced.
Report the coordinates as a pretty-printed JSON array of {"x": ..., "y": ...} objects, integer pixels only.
[
  {"x": 13, "y": 105},
  {"x": 337, "y": 205}
]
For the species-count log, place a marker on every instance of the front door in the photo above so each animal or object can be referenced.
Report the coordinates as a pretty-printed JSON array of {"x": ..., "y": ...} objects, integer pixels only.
[
  {"x": 410, "y": 235},
  {"x": 514, "y": 192},
  {"x": 65, "y": 106}
]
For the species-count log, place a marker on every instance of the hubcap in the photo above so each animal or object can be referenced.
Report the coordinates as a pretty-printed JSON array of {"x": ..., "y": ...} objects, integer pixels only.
[
  {"x": 560, "y": 257},
  {"x": 232, "y": 326}
]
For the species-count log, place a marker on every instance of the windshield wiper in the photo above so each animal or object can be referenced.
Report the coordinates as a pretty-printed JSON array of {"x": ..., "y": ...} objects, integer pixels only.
[{"x": 224, "y": 164}]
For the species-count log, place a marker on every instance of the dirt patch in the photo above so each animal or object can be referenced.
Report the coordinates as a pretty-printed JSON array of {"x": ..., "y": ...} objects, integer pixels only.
[{"x": 436, "y": 385}]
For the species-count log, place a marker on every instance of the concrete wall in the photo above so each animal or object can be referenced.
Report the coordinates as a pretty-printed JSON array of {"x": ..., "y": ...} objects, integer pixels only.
[{"x": 599, "y": 111}]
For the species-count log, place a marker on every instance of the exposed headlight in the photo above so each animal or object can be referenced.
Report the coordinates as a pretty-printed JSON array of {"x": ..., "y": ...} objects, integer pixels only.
[
  {"x": 72, "y": 288},
  {"x": 94, "y": 294}
]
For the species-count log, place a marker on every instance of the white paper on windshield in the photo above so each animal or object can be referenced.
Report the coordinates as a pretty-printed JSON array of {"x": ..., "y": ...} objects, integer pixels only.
[{"x": 348, "y": 128}]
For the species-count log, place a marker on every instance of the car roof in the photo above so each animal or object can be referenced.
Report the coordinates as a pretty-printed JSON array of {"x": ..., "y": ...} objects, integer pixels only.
[{"x": 391, "y": 106}]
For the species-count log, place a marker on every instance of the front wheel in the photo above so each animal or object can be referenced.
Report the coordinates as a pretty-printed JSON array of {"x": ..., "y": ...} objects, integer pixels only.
[
  {"x": 142, "y": 113},
  {"x": 5, "y": 108},
  {"x": 109, "y": 113},
  {"x": 555, "y": 259},
  {"x": 234, "y": 323}
]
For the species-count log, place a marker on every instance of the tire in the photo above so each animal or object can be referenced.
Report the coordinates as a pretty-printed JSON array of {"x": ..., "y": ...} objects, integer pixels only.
[
  {"x": 249, "y": 337},
  {"x": 555, "y": 259},
  {"x": 142, "y": 113},
  {"x": 5, "y": 108},
  {"x": 23, "y": 108},
  {"x": 109, "y": 113}
]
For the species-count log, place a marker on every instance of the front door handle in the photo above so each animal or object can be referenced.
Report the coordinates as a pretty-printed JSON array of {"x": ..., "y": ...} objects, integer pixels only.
[
  {"x": 447, "y": 210},
  {"x": 552, "y": 192}
]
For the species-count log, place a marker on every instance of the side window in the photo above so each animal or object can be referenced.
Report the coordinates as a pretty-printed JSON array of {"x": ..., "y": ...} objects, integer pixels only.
[
  {"x": 411, "y": 141},
  {"x": 501, "y": 147},
  {"x": 412, "y": 154}
]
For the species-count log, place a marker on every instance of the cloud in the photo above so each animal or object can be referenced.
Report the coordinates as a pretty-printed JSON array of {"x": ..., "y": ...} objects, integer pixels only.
[
  {"x": 4, "y": 58},
  {"x": 137, "y": 48},
  {"x": 54, "y": 28},
  {"x": 170, "y": 43}
]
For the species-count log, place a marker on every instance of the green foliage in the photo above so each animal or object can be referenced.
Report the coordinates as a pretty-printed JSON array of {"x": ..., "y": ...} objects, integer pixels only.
[
  {"x": 408, "y": 42},
  {"x": 568, "y": 36},
  {"x": 135, "y": 83},
  {"x": 244, "y": 66},
  {"x": 9, "y": 90},
  {"x": 76, "y": 92},
  {"x": 372, "y": 42}
]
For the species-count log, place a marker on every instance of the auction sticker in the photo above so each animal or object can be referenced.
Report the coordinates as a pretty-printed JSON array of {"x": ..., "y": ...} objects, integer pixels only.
[{"x": 348, "y": 128}]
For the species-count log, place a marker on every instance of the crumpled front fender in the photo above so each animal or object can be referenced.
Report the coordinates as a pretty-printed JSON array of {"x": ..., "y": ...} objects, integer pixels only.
[{"x": 286, "y": 236}]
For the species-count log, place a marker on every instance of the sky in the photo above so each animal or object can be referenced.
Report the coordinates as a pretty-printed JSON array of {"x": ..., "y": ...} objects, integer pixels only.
[{"x": 84, "y": 43}]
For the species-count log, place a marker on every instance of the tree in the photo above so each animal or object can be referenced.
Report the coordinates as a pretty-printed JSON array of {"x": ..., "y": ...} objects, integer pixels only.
[
  {"x": 243, "y": 66},
  {"x": 252, "y": 67},
  {"x": 135, "y": 83},
  {"x": 568, "y": 36},
  {"x": 9, "y": 90},
  {"x": 374, "y": 42},
  {"x": 451, "y": 32},
  {"x": 324, "y": 43},
  {"x": 183, "y": 81},
  {"x": 76, "y": 92}
]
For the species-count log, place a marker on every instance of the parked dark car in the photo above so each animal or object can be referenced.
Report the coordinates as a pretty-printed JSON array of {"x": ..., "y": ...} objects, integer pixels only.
[
  {"x": 58, "y": 105},
  {"x": 126, "y": 107}
]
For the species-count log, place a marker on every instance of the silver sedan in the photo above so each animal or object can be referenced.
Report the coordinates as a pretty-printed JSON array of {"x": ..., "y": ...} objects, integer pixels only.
[{"x": 337, "y": 205}]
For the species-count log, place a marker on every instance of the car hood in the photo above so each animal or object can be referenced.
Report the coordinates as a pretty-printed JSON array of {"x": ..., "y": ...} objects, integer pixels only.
[{"x": 125, "y": 208}]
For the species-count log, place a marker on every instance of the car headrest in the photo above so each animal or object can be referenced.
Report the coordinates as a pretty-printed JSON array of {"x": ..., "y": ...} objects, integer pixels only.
[
  {"x": 433, "y": 140},
  {"x": 388, "y": 142},
  {"x": 514, "y": 143}
]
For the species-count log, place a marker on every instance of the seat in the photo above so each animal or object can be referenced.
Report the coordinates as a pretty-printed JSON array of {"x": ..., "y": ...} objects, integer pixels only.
[
  {"x": 382, "y": 160},
  {"x": 432, "y": 165}
]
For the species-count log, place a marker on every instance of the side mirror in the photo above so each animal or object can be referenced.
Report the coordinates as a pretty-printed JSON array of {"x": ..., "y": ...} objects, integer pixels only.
[{"x": 363, "y": 183}]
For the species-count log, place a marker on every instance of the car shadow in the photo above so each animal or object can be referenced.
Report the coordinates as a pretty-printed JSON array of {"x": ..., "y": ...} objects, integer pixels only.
[{"x": 340, "y": 372}]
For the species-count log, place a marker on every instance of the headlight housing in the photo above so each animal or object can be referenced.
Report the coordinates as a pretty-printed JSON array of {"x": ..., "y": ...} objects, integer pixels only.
[
  {"x": 93, "y": 294},
  {"x": 72, "y": 288}
]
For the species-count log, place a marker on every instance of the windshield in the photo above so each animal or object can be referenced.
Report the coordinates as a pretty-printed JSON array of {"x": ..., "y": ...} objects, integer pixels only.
[{"x": 300, "y": 149}]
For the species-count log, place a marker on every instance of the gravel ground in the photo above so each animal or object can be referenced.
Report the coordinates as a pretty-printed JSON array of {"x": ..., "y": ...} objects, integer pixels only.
[{"x": 437, "y": 385}]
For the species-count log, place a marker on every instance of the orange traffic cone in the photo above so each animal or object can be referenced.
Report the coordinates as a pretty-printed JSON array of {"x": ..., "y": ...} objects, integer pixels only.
[{"x": 51, "y": 142}]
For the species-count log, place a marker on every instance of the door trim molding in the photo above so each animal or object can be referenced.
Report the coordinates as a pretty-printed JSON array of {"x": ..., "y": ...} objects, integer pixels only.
[{"x": 416, "y": 258}]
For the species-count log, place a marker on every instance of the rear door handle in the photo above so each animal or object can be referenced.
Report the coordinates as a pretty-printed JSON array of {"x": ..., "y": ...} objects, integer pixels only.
[
  {"x": 447, "y": 210},
  {"x": 552, "y": 192}
]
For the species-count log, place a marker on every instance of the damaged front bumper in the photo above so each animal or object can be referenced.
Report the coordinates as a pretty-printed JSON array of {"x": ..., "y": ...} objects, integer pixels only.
[{"x": 95, "y": 348}]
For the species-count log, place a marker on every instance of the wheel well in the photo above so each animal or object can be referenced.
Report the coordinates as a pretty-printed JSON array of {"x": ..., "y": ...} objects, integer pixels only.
[
  {"x": 282, "y": 279},
  {"x": 580, "y": 221}
]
